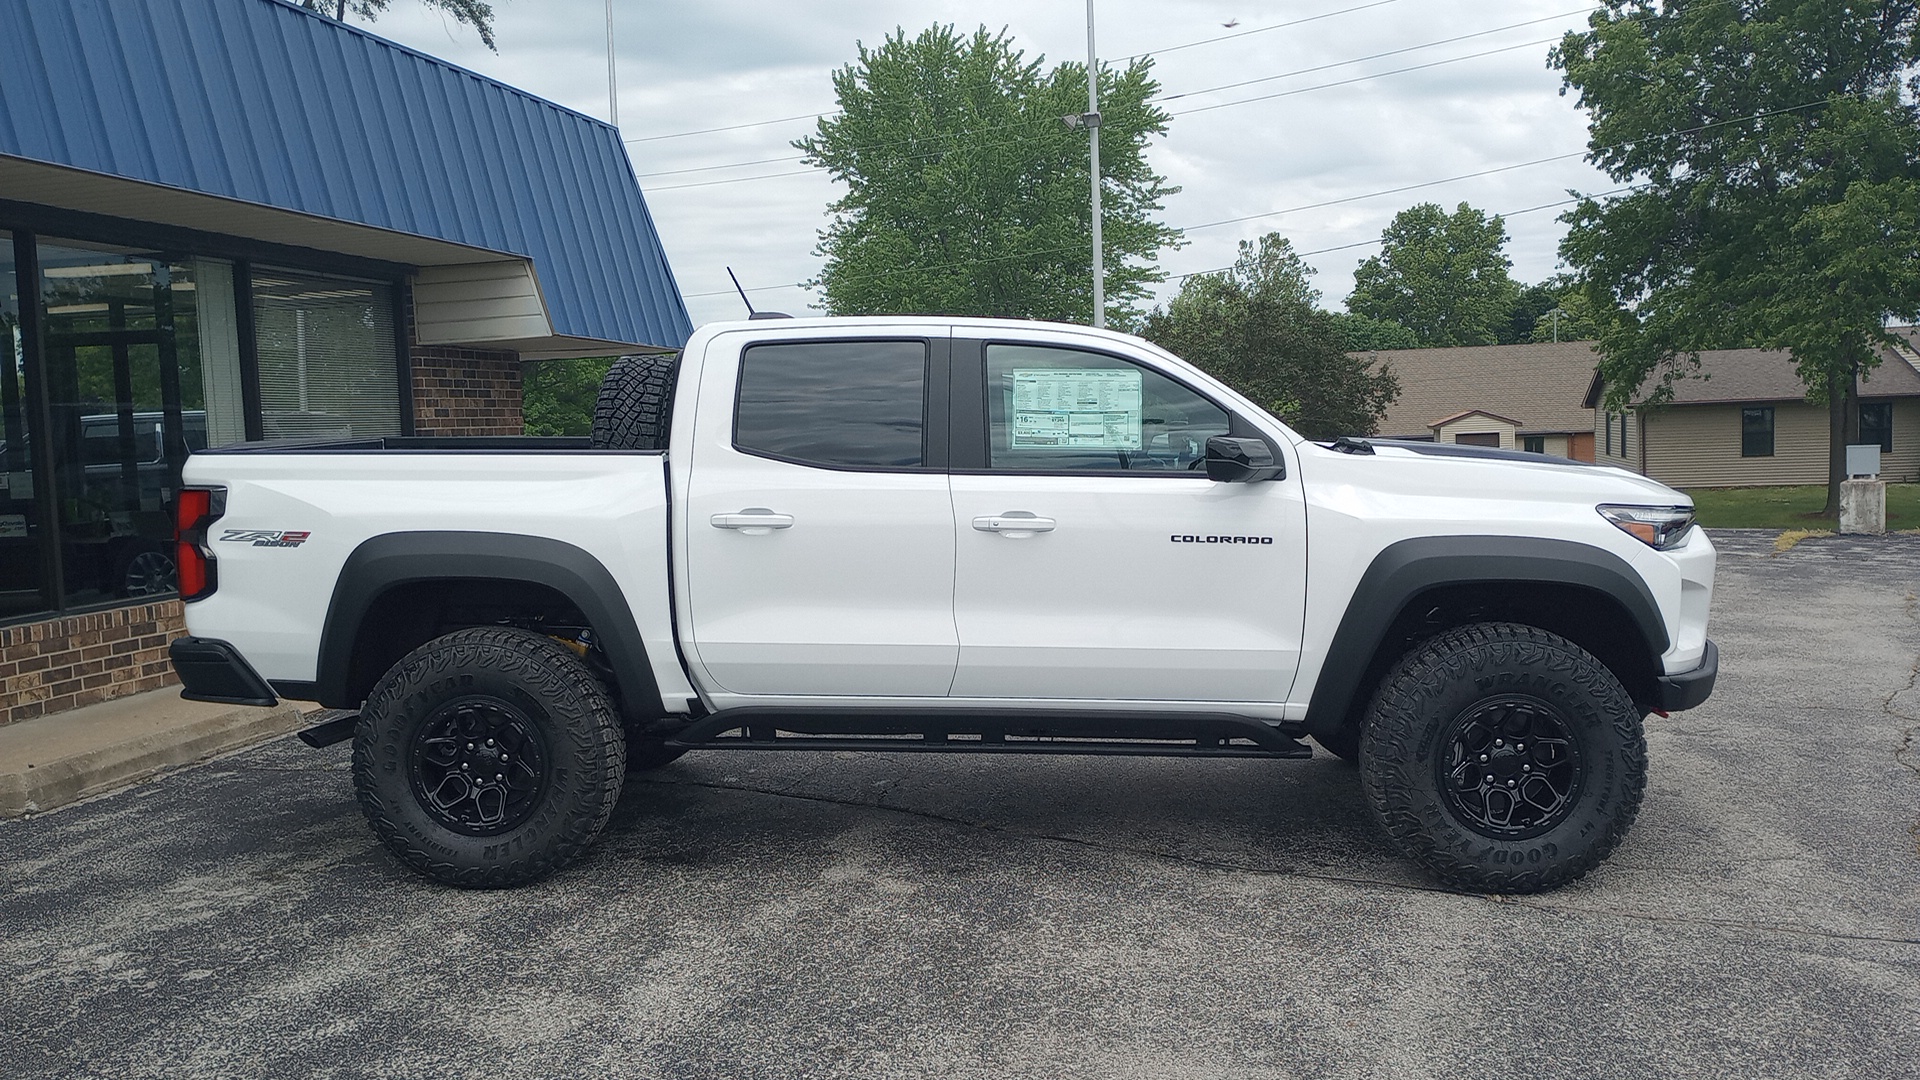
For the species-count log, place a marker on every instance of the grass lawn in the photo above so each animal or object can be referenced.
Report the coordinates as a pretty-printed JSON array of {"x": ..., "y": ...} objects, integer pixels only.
[{"x": 1796, "y": 507}]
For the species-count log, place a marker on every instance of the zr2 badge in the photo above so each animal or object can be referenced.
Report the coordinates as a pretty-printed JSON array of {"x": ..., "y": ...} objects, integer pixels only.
[{"x": 269, "y": 538}]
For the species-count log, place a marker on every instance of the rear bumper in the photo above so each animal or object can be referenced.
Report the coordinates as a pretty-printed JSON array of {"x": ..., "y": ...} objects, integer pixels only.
[
  {"x": 212, "y": 670},
  {"x": 1688, "y": 689}
]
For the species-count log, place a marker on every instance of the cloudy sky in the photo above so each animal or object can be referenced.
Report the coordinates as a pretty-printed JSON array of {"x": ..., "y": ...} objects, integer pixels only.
[{"x": 1339, "y": 141}]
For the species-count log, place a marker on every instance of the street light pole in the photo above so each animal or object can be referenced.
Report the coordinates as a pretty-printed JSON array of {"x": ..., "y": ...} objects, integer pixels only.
[
  {"x": 1093, "y": 135},
  {"x": 613, "y": 92}
]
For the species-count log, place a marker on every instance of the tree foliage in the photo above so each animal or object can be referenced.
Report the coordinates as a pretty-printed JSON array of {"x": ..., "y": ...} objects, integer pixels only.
[
  {"x": 1443, "y": 276},
  {"x": 1775, "y": 149},
  {"x": 966, "y": 194},
  {"x": 1361, "y": 334},
  {"x": 1257, "y": 327},
  {"x": 475, "y": 13},
  {"x": 557, "y": 396}
]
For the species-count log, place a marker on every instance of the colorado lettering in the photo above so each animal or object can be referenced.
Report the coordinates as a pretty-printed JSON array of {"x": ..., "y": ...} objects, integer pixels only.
[{"x": 1190, "y": 539}]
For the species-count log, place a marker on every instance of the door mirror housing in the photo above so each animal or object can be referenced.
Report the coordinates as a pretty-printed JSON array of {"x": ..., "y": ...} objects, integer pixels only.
[{"x": 1237, "y": 460}]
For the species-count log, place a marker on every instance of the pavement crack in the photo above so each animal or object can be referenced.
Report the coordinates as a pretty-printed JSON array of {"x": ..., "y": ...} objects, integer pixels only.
[
  {"x": 1904, "y": 753},
  {"x": 1354, "y": 881}
]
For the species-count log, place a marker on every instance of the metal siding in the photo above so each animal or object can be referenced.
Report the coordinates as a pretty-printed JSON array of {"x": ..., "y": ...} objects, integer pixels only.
[{"x": 260, "y": 101}]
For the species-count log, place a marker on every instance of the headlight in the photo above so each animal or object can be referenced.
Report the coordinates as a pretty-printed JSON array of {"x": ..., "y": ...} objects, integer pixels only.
[{"x": 1656, "y": 526}]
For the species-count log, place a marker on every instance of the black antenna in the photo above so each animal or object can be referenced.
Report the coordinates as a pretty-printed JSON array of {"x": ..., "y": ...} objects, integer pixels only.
[
  {"x": 752, "y": 314},
  {"x": 742, "y": 292}
]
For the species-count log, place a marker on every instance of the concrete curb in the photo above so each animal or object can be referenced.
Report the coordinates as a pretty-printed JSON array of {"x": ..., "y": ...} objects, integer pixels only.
[{"x": 46, "y": 785}]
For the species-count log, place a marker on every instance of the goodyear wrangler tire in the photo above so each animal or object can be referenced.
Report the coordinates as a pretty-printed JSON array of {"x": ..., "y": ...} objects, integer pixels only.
[
  {"x": 635, "y": 407},
  {"x": 1503, "y": 758},
  {"x": 488, "y": 758}
]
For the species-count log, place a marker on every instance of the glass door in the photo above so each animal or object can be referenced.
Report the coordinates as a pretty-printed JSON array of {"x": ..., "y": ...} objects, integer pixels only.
[{"x": 127, "y": 406}]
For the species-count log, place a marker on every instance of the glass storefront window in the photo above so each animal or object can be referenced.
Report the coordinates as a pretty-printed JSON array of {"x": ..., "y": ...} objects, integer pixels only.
[
  {"x": 136, "y": 361},
  {"x": 327, "y": 356}
]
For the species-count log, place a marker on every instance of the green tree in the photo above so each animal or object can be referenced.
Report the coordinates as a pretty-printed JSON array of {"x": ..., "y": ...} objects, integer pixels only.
[
  {"x": 1257, "y": 327},
  {"x": 1361, "y": 334},
  {"x": 967, "y": 195},
  {"x": 475, "y": 13},
  {"x": 1572, "y": 318},
  {"x": 1774, "y": 146},
  {"x": 557, "y": 396},
  {"x": 1443, "y": 276}
]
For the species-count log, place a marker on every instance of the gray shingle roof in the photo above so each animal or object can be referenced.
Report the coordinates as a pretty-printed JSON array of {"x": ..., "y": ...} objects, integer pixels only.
[{"x": 1540, "y": 387}]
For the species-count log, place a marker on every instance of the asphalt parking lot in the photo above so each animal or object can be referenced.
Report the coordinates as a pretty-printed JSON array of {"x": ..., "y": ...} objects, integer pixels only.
[{"x": 893, "y": 915}]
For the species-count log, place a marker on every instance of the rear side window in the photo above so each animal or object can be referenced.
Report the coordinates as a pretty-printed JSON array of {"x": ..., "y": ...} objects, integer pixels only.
[{"x": 841, "y": 404}]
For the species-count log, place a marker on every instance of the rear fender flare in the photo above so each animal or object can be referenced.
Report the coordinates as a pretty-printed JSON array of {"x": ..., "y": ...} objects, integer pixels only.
[{"x": 394, "y": 559}]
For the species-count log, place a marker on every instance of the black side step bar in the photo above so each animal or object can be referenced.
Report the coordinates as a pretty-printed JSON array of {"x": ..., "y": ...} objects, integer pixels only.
[
  {"x": 948, "y": 731},
  {"x": 336, "y": 728}
]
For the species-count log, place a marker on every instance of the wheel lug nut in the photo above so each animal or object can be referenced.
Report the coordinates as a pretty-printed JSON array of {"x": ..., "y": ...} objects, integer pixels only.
[
  {"x": 1483, "y": 757},
  {"x": 1499, "y": 742},
  {"x": 489, "y": 742},
  {"x": 469, "y": 746},
  {"x": 499, "y": 776},
  {"x": 464, "y": 767},
  {"x": 1489, "y": 778},
  {"x": 1526, "y": 768},
  {"x": 1510, "y": 783},
  {"x": 1519, "y": 746}
]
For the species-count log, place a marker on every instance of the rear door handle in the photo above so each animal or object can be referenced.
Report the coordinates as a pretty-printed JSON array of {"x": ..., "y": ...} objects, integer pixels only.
[
  {"x": 753, "y": 521},
  {"x": 1014, "y": 524}
]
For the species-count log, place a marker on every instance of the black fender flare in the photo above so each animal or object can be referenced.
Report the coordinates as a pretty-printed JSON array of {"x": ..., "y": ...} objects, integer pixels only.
[
  {"x": 1404, "y": 570},
  {"x": 384, "y": 562}
]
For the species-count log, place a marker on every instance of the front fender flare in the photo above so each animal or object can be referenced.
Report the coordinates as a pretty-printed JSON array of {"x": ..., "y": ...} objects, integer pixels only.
[{"x": 1405, "y": 570}]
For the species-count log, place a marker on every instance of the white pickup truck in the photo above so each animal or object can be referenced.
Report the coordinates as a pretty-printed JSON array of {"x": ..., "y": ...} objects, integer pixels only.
[{"x": 948, "y": 534}]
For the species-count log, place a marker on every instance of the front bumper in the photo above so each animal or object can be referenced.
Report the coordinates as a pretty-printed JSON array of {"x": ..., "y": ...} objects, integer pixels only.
[
  {"x": 212, "y": 670},
  {"x": 1688, "y": 689}
]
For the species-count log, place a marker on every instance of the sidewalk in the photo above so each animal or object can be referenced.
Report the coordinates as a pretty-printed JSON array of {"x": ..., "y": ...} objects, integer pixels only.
[{"x": 54, "y": 760}]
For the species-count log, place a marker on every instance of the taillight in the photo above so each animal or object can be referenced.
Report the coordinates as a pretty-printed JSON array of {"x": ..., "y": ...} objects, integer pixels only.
[{"x": 196, "y": 509}]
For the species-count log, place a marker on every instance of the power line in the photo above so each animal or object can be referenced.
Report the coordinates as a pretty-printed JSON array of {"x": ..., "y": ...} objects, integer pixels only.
[
  {"x": 1368, "y": 195},
  {"x": 1363, "y": 78},
  {"x": 1136, "y": 56},
  {"x": 1172, "y": 97}
]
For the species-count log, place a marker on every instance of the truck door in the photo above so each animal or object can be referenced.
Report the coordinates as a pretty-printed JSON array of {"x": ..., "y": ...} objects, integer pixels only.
[
  {"x": 819, "y": 533},
  {"x": 1095, "y": 560}
]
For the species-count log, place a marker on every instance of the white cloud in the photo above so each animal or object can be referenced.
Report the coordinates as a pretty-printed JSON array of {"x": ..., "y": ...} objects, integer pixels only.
[{"x": 725, "y": 62}]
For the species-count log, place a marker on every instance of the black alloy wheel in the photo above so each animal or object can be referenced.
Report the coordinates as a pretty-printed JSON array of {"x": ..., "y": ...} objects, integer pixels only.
[
  {"x": 1510, "y": 768},
  {"x": 479, "y": 766}
]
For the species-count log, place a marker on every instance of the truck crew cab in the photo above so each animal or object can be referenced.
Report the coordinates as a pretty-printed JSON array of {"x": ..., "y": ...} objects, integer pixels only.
[{"x": 953, "y": 535}]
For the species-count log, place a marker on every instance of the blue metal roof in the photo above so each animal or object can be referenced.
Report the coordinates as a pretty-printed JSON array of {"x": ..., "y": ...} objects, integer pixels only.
[{"x": 261, "y": 101}]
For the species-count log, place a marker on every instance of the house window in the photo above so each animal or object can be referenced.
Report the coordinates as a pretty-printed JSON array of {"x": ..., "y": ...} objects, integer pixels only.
[
  {"x": 1608, "y": 425},
  {"x": 1623, "y": 435},
  {"x": 1534, "y": 444},
  {"x": 1756, "y": 432},
  {"x": 1876, "y": 425}
]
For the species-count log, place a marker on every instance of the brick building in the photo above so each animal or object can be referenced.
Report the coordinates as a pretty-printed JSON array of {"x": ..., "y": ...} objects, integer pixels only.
[{"x": 235, "y": 220}]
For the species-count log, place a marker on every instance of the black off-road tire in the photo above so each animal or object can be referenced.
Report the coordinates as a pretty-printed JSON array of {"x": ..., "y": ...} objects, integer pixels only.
[
  {"x": 1443, "y": 706},
  {"x": 553, "y": 723},
  {"x": 635, "y": 407}
]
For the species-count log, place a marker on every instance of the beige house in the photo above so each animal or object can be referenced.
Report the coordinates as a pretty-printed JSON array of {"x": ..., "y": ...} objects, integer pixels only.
[
  {"x": 1747, "y": 423},
  {"x": 1517, "y": 397}
]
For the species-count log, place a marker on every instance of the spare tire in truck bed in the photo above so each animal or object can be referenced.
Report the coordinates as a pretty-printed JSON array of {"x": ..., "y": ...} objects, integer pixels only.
[{"x": 635, "y": 406}]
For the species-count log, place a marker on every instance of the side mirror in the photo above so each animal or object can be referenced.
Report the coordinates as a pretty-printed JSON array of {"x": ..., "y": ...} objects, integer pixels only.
[{"x": 1233, "y": 460}]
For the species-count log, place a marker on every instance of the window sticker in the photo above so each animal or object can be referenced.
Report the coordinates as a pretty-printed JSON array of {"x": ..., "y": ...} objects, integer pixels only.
[{"x": 1079, "y": 408}]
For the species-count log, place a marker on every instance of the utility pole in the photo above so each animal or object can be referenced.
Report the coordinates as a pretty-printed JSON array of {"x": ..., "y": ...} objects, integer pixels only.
[
  {"x": 1093, "y": 135},
  {"x": 613, "y": 90}
]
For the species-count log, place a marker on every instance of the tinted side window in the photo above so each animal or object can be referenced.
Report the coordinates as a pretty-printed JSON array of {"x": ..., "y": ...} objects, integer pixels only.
[
  {"x": 834, "y": 403},
  {"x": 1052, "y": 410}
]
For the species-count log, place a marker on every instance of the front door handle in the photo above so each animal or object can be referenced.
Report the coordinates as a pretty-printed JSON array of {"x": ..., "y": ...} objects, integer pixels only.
[
  {"x": 753, "y": 521},
  {"x": 1014, "y": 524}
]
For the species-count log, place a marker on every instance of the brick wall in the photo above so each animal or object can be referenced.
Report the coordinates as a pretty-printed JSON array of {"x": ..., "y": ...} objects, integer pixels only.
[
  {"x": 76, "y": 660},
  {"x": 465, "y": 391}
]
